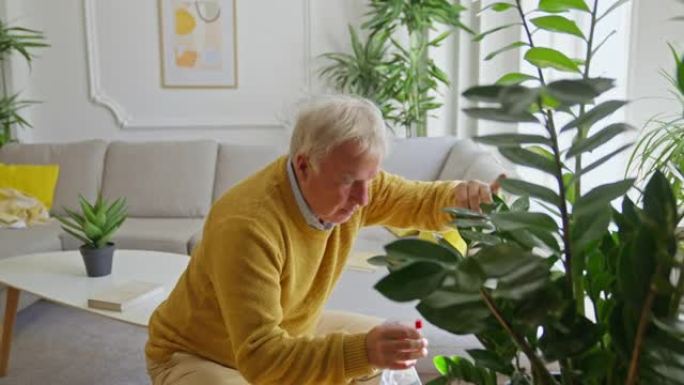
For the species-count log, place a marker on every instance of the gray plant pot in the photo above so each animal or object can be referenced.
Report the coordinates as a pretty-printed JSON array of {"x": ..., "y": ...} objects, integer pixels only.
[{"x": 98, "y": 262}]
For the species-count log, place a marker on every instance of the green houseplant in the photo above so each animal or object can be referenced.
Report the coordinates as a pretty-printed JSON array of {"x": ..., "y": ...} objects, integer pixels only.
[
  {"x": 593, "y": 290},
  {"x": 400, "y": 77},
  {"x": 662, "y": 147},
  {"x": 95, "y": 226},
  {"x": 22, "y": 41}
]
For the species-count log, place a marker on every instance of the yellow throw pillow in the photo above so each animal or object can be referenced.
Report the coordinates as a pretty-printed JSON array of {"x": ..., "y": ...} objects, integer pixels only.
[
  {"x": 451, "y": 235},
  {"x": 38, "y": 181}
]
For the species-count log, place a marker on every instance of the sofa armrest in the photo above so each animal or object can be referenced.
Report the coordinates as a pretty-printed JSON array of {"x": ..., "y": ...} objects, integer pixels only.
[{"x": 470, "y": 161}]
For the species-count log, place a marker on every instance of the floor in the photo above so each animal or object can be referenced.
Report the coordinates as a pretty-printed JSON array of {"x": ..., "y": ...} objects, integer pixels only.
[
  {"x": 41, "y": 356},
  {"x": 57, "y": 345}
]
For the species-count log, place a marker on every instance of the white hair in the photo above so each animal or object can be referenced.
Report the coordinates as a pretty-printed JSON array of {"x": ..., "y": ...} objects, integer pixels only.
[{"x": 332, "y": 120}]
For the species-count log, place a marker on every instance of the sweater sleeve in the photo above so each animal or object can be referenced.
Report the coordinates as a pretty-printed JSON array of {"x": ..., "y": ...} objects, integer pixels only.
[
  {"x": 245, "y": 271},
  {"x": 398, "y": 202}
]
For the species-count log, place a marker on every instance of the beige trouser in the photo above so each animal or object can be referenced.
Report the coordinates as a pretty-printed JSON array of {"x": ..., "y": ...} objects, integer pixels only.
[{"x": 186, "y": 369}]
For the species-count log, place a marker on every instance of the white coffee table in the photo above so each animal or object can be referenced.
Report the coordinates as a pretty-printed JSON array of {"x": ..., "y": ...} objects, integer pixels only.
[{"x": 60, "y": 277}]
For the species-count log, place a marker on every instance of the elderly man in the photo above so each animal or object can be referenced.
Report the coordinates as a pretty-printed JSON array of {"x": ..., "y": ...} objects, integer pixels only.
[{"x": 249, "y": 307}]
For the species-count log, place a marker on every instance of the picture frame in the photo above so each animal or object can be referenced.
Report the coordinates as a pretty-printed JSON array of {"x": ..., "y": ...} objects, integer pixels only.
[{"x": 198, "y": 42}]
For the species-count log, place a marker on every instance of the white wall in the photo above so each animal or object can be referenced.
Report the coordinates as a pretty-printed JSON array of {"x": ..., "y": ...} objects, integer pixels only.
[
  {"x": 652, "y": 29},
  {"x": 278, "y": 43},
  {"x": 279, "y": 48}
]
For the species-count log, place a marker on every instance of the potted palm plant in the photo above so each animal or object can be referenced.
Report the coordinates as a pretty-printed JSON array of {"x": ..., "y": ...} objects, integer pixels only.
[
  {"x": 578, "y": 285},
  {"x": 22, "y": 41},
  {"x": 95, "y": 226},
  {"x": 400, "y": 77},
  {"x": 662, "y": 146}
]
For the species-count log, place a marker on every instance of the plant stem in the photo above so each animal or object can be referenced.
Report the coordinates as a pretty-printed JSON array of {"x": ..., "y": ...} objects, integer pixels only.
[
  {"x": 537, "y": 365},
  {"x": 582, "y": 133},
  {"x": 551, "y": 128},
  {"x": 566, "y": 369},
  {"x": 529, "y": 37},
  {"x": 639, "y": 338},
  {"x": 563, "y": 206}
]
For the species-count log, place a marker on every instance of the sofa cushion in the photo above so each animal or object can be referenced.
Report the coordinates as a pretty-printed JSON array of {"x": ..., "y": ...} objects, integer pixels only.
[
  {"x": 162, "y": 234},
  {"x": 236, "y": 162},
  {"x": 161, "y": 179},
  {"x": 34, "y": 239},
  {"x": 418, "y": 158},
  {"x": 468, "y": 161},
  {"x": 80, "y": 167}
]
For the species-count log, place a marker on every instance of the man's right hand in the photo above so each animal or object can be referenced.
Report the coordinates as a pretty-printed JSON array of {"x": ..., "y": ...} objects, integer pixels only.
[{"x": 395, "y": 346}]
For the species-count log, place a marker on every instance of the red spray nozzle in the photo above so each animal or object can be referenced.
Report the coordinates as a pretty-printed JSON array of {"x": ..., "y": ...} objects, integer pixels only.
[{"x": 419, "y": 324}]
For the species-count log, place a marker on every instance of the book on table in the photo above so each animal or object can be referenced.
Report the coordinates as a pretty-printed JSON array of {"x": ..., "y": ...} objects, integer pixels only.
[{"x": 121, "y": 296}]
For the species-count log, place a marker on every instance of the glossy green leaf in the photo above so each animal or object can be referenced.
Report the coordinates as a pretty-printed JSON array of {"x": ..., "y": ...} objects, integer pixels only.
[
  {"x": 499, "y": 6},
  {"x": 601, "y": 85},
  {"x": 569, "y": 340},
  {"x": 466, "y": 222},
  {"x": 378, "y": 260},
  {"x": 523, "y": 281},
  {"x": 512, "y": 78},
  {"x": 490, "y": 360},
  {"x": 488, "y": 94},
  {"x": 602, "y": 160},
  {"x": 438, "y": 40},
  {"x": 505, "y": 48},
  {"x": 528, "y": 158},
  {"x": 459, "y": 212},
  {"x": 562, "y": 5},
  {"x": 520, "y": 187},
  {"x": 411, "y": 282},
  {"x": 550, "y": 58},
  {"x": 476, "y": 236},
  {"x": 441, "y": 364},
  {"x": 555, "y": 23},
  {"x": 597, "y": 113},
  {"x": 547, "y": 239},
  {"x": 601, "y": 196},
  {"x": 512, "y": 140},
  {"x": 596, "y": 140},
  {"x": 441, "y": 298},
  {"x": 517, "y": 99},
  {"x": 419, "y": 250},
  {"x": 499, "y": 115},
  {"x": 484, "y": 34},
  {"x": 589, "y": 228},
  {"x": 462, "y": 318},
  {"x": 572, "y": 91},
  {"x": 521, "y": 204},
  {"x": 514, "y": 220},
  {"x": 499, "y": 260},
  {"x": 659, "y": 202},
  {"x": 469, "y": 276}
]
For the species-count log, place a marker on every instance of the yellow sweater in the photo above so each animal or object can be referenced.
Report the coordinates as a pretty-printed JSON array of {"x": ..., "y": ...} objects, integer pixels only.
[{"x": 257, "y": 283}]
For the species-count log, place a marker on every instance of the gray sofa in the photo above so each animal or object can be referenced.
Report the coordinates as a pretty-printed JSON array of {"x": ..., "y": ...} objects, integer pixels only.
[{"x": 170, "y": 186}]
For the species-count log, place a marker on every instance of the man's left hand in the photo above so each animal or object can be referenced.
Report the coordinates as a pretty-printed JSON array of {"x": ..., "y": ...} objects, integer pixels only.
[{"x": 470, "y": 194}]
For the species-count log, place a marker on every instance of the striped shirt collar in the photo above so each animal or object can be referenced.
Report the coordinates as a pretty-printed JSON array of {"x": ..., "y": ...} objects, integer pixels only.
[{"x": 304, "y": 208}]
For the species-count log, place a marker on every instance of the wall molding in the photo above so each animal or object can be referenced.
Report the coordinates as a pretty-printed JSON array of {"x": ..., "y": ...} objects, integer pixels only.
[{"x": 125, "y": 120}]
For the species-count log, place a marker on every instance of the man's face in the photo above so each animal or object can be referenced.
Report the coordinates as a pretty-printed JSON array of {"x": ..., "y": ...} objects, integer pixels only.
[{"x": 341, "y": 183}]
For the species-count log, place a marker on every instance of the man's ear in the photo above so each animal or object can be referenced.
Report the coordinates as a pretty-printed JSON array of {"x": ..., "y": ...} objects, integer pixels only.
[{"x": 302, "y": 166}]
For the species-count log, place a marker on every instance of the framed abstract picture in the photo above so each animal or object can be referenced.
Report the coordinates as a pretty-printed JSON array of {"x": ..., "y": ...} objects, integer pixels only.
[{"x": 198, "y": 43}]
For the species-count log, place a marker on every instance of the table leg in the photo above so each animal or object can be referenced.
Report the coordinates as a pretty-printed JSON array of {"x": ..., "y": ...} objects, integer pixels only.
[{"x": 10, "y": 316}]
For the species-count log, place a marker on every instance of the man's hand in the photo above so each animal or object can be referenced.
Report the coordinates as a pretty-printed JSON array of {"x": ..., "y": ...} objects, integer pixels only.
[
  {"x": 470, "y": 194},
  {"x": 395, "y": 346}
]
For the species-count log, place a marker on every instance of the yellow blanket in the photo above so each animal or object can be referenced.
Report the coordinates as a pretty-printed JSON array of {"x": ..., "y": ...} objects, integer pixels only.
[{"x": 18, "y": 210}]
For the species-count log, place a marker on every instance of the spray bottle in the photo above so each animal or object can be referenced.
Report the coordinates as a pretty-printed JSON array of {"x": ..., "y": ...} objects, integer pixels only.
[{"x": 402, "y": 377}]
